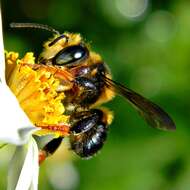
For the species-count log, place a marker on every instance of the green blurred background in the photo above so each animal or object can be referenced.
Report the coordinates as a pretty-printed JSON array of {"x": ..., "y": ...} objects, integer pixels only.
[{"x": 147, "y": 46}]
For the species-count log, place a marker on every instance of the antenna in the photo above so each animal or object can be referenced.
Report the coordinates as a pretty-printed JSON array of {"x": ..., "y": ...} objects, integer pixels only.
[{"x": 34, "y": 25}]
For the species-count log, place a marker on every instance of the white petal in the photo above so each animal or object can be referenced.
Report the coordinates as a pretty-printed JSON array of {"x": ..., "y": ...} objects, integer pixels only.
[
  {"x": 2, "y": 59},
  {"x": 24, "y": 168},
  {"x": 16, "y": 128}
]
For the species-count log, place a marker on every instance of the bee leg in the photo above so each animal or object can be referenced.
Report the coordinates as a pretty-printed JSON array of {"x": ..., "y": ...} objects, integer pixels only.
[
  {"x": 89, "y": 134},
  {"x": 49, "y": 149}
]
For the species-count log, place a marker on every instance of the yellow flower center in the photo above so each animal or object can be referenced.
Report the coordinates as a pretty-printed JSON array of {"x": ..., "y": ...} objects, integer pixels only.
[{"x": 36, "y": 90}]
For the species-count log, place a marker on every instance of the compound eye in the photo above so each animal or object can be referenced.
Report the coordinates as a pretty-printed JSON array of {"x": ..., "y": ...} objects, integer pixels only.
[{"x": 70, "y": 54}]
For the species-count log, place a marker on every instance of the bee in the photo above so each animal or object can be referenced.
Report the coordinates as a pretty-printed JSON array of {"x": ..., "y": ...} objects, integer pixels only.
[{"x": 87, "y": 85}]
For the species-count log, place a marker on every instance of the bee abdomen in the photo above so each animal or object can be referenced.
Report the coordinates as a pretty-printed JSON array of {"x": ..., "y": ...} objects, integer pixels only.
[
  {"x": 86, "y": 120},
  {"x": 89, "y": 143}
]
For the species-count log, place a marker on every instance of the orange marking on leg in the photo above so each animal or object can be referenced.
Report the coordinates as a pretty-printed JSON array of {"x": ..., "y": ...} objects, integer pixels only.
[
  {"x": 42, "y": 156},
  {"x": 62, "y": 128}
]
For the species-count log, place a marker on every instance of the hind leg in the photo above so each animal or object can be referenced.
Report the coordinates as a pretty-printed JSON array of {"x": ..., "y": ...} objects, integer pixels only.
[{"x": 49, "y": 149}]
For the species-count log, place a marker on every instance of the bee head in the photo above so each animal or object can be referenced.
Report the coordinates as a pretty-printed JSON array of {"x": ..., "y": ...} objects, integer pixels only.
[
  {"x": 63, "y": 50},
  {"x": 66, "y": 49}
]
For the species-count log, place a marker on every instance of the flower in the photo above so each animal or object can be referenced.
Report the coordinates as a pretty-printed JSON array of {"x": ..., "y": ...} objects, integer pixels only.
[
  {"x": 35, "y": 108},
  {"x": 35, "y": 88}
]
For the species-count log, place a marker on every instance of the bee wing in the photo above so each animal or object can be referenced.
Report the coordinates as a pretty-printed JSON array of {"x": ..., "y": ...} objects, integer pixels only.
[{"x": 155, "y": 116}]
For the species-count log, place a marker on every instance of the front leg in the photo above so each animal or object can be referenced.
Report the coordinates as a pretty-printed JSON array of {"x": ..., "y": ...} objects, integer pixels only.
[{"x": 61, "y": 130}]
